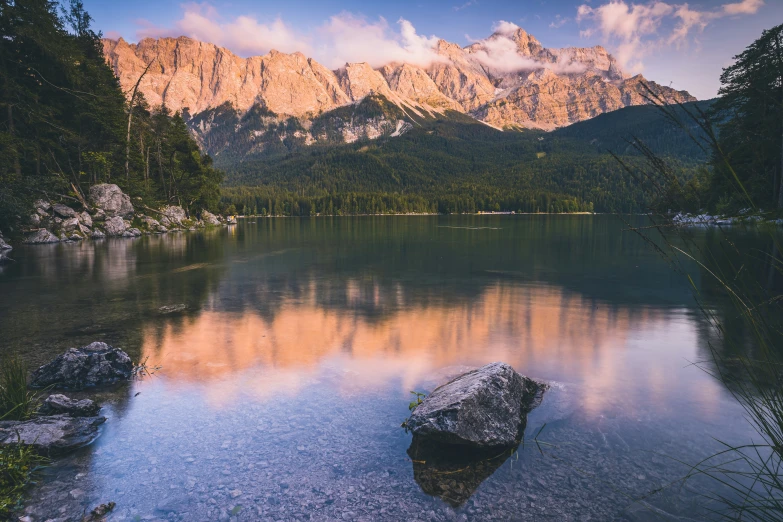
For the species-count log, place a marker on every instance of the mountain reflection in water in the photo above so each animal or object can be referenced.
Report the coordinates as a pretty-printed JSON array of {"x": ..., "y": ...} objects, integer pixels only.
[{"x": 294, "y": 343}]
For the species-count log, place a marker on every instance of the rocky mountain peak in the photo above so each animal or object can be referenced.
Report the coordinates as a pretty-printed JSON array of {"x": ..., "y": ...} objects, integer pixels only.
[{"x": 509, "y": 79}]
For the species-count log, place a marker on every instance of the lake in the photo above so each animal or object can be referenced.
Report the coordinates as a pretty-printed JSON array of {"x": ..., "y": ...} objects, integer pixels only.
[{"x": 284, "y": 381}]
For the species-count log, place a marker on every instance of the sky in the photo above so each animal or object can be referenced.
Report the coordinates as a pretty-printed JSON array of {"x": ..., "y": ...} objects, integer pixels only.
[{"x": 684, "y": 45}]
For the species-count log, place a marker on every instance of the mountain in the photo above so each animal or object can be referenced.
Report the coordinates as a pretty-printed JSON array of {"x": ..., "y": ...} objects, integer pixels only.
[{"x": 508, "y": 80}]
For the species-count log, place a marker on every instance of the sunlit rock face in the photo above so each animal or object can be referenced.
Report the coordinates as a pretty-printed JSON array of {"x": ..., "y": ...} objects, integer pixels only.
[{"x": 508, "y": 80}]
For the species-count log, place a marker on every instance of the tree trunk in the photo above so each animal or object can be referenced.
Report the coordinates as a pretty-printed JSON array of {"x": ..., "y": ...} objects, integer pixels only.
[
  {"x": 17, "y": 164},
  {"x": 130, "y": 117}
]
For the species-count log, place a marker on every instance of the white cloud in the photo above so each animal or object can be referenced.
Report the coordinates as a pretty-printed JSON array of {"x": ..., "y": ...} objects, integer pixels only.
[
  {"x": 500, "y": 54},
  {"x": 243, "y": 35},
  {"x": 636, "y": 29},
  {"x": 504, "y": 27},
  {"x": 744, "y": 7},
  {"x": 559, "y": 22},
  {"x": 348, "y": 38},
  {"x": 342, "y": 38}
]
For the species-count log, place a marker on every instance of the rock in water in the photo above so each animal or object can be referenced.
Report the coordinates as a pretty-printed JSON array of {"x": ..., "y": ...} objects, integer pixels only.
[
  {"x": 96, "y": 364},
  {"x": 4, "y": 245},
  {"x": 51, "y": 435},
  {"x": 482, "y": 408},
  {"x": 115, "y": 226},
  {"x": 112, "y": 200},
  {"x": 40, "y": 237},
  {"x": 60, "y": 404}
]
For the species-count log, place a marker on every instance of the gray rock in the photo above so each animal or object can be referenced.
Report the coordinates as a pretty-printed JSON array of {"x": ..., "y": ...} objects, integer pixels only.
[
  {"x": 64, "y": 211},
  {"x": 60, "y": 404},
  {"x": 35, "y": 219},
  {"x": 51, "y": 435},
  {"x": 4, "y": 259},
  {"x": 99, "y": 215},
  {"x": 165, "y": 222},
  {"x": 98, "y": 234},
  {"x": 42, "y": 205},
  {"x": 41, "y": 212},
  {"x": 174, "y": 214},
  {"x": 4, "y": 245},
  {"x": 85, "y": 219},
  {"x": 115, "y": 226},
  {"x": 75, "y": 237},
  {"x": 96, "y": 364},
  {"x": 112, "y": 200},
  {"x": 134, "y": 232},
  {"x": 482, "y": 408},
  {"x": 41, "y": 236},
  {"x": 69, "y": 225},
  {"x": 209, "y": 218}
]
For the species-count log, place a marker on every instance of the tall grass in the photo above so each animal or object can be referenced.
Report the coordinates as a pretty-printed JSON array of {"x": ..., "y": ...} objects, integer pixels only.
[
  {"x": 16, "y": 401},
  {"x": 749, "y": 366}
]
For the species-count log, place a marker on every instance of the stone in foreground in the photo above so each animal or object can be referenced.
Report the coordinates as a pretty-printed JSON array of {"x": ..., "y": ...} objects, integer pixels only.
[
  {"x": 59, "y": 404},
  {"x": 51, "y": 435},
  {"x": 96, "y": 364},
  {"x": 482, "y": 408}
]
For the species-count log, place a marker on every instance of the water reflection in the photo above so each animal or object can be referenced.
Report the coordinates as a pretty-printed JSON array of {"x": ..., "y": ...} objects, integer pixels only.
[{"x": 453, "y": 473}]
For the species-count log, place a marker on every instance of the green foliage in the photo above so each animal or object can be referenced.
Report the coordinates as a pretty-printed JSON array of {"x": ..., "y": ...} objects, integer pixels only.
[
  {"x": 18, "y": 464},
  {"x": 748, "y": 160},
  {"x": 419, "y": 398},
  {"x": 64, "y": 123},
  {"x": 16, "y": 402}
]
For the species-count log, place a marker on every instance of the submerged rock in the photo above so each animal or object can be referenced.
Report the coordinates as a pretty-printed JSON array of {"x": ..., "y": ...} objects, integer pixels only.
[
  {"x": 482, "y": 408},
  {"x": 451, "y": 472},
  {"x": 172, "y": 309},
  {"x": 41, "y": 236},
  {"x": 60, "y": 404},
  {"x": 96, "y": 364},
  {"x": 51, "y": 435},
  {"x": 112, "y": 200}
]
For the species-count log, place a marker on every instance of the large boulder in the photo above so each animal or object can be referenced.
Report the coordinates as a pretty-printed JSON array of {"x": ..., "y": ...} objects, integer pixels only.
[
  {"x": 51, "y": 435},
  {"x": 482, "y": 408},
  {"x": 59, "y": 404},
  {"x": 209, "y": 218},
  {"x": 96, "y": 364},
  {"x": 115, "y": 226},
  {"x": 112, "y": 200},
  {"x": 4, "y": 246},
  {"x": 174, "y": 215},
  {"x": 41, "y": 236}
]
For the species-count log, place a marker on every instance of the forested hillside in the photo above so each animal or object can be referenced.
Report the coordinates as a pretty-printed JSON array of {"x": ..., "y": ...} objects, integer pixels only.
[
  {"x": 443, "y": 165},
  {"x": 65, "y": 123}
]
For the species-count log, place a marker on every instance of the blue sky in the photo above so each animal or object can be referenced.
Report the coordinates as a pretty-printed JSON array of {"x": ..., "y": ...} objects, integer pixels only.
[{"x": 677, "y": 44}]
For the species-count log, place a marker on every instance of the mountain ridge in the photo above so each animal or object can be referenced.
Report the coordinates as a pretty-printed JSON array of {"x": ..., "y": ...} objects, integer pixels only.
[{"x": 509, "y": 80}]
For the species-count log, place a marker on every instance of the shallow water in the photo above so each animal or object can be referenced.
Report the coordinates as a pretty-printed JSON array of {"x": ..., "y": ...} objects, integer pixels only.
[{"x": 285, "y": 380}]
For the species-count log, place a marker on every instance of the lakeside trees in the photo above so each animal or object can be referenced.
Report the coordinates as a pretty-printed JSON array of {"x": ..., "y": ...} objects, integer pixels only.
[{"x": 63, "y": 119}]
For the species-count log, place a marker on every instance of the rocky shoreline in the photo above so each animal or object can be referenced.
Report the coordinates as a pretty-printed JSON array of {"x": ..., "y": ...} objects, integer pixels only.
[
  {"x": 708, "y": 220},
  {"x": 108, "y": 212}
]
